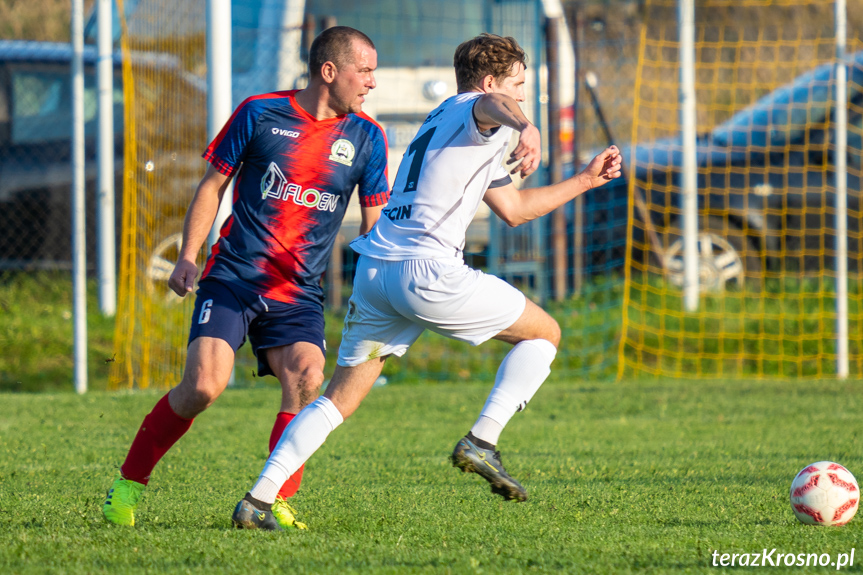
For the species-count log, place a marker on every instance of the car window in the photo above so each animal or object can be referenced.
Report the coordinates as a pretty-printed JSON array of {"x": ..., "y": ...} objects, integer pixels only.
[
  {"x": 408, "y": 34},
  {"x": 804, "y": 105},
  {"x": 42, "y": 105},
  {"x": 780, "y": 117}
]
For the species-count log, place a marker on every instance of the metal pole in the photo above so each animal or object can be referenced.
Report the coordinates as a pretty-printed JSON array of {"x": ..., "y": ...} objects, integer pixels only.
[
  {"x": 105, "y": 215},
  {"x": 537, "y": 228},
  {"x": 558, "y": 217},
  {"x": 686, "y": 23},
  {"x": 79, "y": 245},
  {"x": 578, "y": 232},
  {"x": 219, "y": 88},
  {"x": 219, "y": 98},
  {"x": 841, "y": 193}
]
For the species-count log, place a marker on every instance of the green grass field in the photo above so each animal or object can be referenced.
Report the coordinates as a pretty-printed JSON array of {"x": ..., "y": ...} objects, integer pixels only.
[
  {"x": 36, "y": 341},
  {"x": 631, "y": 477},
  {"x": 36, "y": 326}
]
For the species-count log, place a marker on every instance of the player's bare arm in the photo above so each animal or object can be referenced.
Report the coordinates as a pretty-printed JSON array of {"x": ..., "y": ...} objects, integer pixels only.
[
  {"x": 196, "y": 227},
  {"x": 369, "y": 217},
  {"x": 516, "y": 207},
  {"x": 496, "y": 109}
]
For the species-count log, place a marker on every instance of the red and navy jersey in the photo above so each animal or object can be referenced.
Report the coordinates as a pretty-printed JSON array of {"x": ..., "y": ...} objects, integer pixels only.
[{"x": 291, "y": 193}]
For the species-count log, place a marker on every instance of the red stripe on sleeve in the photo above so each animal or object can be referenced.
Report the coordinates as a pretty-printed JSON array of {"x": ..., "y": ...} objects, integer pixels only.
[{"x": 379, "y": 199}]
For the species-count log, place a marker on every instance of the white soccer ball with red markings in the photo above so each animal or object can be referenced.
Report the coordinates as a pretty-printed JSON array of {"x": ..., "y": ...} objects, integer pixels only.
[{"x": 824, "y": 493}]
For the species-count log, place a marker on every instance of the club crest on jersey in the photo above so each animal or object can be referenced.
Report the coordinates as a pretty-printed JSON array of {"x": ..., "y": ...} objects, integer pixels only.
[
  {"x": 342, "y": 152},
  {"x": 275, "y": 185}
]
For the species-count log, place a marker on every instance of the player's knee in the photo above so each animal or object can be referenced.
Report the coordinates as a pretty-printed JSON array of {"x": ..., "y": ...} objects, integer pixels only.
[
  {"x": 553, "y": 332},
  {"x": 547, "y": 329},
  {"x": 309, "y": 375},
  {"x": 191, "y": 398}
]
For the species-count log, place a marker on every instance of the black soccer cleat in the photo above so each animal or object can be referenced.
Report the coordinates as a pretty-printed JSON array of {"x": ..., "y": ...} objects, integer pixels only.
[
  {"x": 471, "y": 458},
  {"x": 251, "y": 514}
]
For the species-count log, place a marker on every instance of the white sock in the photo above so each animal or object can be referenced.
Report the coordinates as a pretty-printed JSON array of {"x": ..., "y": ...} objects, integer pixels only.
[
  {"x": 519, "y": 376},
  {"x": 487, "y": 429},
  {"x": 301, "y": 438},
  {"x": 264, "y": 490}
]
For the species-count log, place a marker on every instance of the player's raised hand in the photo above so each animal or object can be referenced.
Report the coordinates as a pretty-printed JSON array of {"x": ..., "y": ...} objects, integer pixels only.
[
  {"x": 182, "y": 279},
  {"x": 604, "y": 167},
  {"x": 528, "y": 153}
]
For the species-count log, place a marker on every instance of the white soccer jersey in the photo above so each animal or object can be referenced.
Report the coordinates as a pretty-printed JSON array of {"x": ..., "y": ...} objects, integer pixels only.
[{"x": 442, "y": 178}]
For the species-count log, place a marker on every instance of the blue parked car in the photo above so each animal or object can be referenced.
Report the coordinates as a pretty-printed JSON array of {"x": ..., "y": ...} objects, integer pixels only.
[
  {"x": 766, "y": 181},
  {"x": 36, "y": 146}
]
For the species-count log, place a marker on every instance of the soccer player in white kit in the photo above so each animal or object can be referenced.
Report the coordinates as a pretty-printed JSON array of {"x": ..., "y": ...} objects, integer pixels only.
[{"x": 411, "y": 275}]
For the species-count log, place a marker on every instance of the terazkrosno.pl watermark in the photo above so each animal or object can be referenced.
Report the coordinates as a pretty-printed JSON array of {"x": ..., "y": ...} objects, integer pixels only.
[{"x": 775, "y": 558}]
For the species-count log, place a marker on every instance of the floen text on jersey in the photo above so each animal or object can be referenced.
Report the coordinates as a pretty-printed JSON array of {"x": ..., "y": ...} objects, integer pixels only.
[
  {"x": 297, "y": 176},
  {"x": 274, "y": 184}
]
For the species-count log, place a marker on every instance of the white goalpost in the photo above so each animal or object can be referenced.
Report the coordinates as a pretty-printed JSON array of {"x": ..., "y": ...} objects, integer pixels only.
[
  {"x": 686, "y": 27},
  {"x": 79, "y": 247},
  {"x": 841, "y": 193}
]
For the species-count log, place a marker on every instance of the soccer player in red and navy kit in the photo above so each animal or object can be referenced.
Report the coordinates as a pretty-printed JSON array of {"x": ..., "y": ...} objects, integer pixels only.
[
  {"x": 296, "y": 157},
  {"x": 411, "y": 275}
]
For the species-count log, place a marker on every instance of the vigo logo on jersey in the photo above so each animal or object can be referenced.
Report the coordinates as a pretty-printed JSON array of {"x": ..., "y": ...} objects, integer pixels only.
[
  {"x": 275, "y": 185},
  {"x": 286, "y": 133}
]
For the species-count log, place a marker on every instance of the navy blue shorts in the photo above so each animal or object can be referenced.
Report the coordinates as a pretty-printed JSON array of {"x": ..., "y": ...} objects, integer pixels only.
[{"x": 230, "y": 313}]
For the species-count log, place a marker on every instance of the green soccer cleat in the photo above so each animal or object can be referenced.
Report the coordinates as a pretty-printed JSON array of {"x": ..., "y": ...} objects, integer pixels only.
[
  {"x": 471, "y": 458},
  {"x": 286, "y": 516},
  {"x": 252, "y": 514},
  {"x": 122, "y": 500}
]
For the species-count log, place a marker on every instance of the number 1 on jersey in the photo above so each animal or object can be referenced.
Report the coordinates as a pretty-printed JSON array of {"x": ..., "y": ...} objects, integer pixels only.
[{"x": 418, "y": 148}]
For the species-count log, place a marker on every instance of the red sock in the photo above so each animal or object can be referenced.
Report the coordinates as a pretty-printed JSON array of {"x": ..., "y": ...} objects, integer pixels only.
[
  {"x": 293, "y": 483},
  {"x": 159, "y": 431}
]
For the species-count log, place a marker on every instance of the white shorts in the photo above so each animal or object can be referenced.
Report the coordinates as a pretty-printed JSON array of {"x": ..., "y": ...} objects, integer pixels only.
[{"x": 393, "y": 302}]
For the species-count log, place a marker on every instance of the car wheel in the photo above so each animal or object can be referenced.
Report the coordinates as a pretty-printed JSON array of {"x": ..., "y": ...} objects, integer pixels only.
[
  {"x": 724, "y": 258},
  {"x": 161, "y": 265}
]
